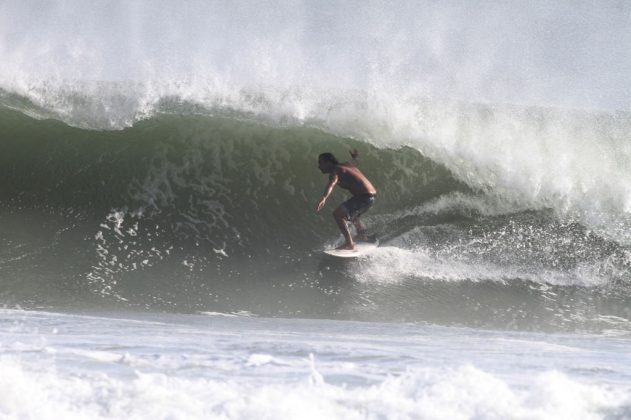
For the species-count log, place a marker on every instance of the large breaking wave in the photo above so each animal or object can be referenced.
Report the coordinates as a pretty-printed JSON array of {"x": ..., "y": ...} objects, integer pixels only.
[
  {"x": 186, "y": 212},
  {"x": 145, "y": 168}
]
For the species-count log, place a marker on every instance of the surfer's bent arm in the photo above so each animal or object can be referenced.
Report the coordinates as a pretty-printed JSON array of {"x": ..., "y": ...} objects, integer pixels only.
[
  {"x": 354, "y": 153},
  {"x": 327, "y": 191}
]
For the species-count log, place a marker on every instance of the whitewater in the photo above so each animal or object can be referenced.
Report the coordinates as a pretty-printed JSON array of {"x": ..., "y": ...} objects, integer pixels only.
[{"x": 160, "y": 256}]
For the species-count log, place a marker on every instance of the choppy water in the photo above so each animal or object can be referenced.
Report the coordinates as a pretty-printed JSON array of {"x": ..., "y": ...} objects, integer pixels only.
[{"x": 218, "y": 366}]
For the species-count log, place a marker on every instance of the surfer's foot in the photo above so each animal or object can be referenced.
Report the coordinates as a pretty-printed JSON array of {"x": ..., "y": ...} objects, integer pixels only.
[{"x": 347, "y": 247}]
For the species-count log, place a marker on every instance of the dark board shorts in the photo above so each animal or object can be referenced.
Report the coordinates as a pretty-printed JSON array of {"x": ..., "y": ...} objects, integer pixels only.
[{"x": 358, "y": 205}]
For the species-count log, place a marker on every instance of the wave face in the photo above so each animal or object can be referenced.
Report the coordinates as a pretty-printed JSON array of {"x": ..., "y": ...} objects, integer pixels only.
[
  {"x": 162, "y": 156},
  {"x": 200, "y": 213}
]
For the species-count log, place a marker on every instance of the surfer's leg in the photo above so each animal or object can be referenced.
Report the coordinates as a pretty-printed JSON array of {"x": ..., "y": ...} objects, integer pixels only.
[
  {"x": 361, "y": 232},
  {"x": 357, "y": 206},
  {"x": 340, "y": 217}
]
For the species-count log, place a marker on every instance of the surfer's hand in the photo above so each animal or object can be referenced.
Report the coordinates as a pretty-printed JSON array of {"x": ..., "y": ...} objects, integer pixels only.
[
  {"x": 320, "y": 204},
  {"x": 354, "y": 153}
]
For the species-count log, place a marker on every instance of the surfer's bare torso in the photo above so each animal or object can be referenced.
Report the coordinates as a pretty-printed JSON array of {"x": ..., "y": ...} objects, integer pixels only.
[{"x": 350, "y": 178}]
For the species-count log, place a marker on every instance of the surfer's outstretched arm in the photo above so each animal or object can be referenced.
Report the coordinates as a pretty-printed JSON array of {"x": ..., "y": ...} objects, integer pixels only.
[{"x": 327, "y": 191}]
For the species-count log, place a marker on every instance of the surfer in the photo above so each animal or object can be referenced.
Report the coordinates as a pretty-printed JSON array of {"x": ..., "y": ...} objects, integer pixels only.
[{"x": 349, "y": 177}]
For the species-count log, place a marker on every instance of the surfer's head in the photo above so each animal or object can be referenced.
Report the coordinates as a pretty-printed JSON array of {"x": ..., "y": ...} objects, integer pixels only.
[{"x": 326, "y": 162}]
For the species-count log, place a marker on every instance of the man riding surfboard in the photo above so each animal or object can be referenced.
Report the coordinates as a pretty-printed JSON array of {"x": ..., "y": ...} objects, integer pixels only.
[{"x": 350, "y": 178}]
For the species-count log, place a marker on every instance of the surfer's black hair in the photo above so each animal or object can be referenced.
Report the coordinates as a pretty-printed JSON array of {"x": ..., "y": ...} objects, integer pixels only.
[{"x": 328, "y": 157}]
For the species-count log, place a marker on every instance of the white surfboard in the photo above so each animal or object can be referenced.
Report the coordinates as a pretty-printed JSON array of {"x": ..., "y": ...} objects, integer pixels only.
[{"x": 361, "y": 248}]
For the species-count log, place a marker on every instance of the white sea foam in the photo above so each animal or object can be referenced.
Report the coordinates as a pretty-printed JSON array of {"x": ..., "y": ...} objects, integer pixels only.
[
  {"x": 392, "y": 264},
  {"x": 433, "y": 393},
  {"x": 170, "y": 366},
  {"x": 213, "y": 50}
]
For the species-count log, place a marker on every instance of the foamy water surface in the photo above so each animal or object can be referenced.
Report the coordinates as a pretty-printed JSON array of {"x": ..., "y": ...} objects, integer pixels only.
[{"x": 209, "y": 366}]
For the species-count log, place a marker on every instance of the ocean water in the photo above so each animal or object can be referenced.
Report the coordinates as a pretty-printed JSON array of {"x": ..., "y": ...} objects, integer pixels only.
[
  {"x": 160, "y": 256},
  {"x": 236, "y": 366}
]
